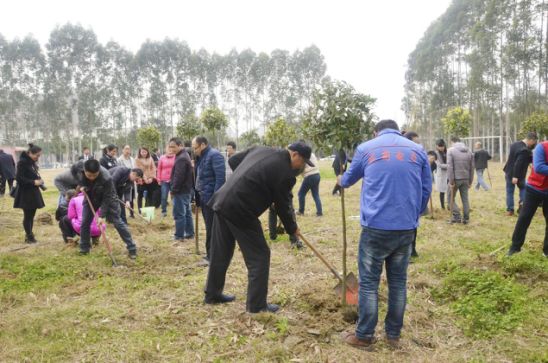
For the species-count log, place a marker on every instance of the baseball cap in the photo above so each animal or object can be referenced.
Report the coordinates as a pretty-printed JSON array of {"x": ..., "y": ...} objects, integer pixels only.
[{"x": 303, "y": 150}]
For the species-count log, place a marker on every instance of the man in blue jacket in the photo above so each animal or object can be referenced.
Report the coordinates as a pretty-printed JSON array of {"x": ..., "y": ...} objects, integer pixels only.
[
  {"x": 396, "y": 186},
  {"x": 210, "y": 177}
]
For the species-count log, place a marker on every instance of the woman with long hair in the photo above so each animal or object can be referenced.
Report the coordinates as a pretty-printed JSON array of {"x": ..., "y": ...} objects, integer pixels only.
[
  {"x": 442, "y": 184},
  {"x": 149, "y": 184},
  {"x": 28, "y": 196}
]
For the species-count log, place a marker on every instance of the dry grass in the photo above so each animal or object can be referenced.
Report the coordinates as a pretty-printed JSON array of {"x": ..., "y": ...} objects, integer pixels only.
[{"x": 57, "y": 306}]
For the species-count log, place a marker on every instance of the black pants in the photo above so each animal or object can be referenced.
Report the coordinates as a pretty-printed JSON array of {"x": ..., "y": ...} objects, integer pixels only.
[
  {"x": 414, "y": 244},
  {"x": 28, "y": 220},
  {"x": 3, "y": 185},
  {"x": 66, "y": 228},
  {"x": 273, "y": 224},
  {"x": 337, "y": 188},
  {"x": 442, "y": 200},
  {"x": 208, "y": 215},
  {"x": 150, "y": 188},
  {"x": 256, "y": 256},
  {"x": 530, "y": 204}
]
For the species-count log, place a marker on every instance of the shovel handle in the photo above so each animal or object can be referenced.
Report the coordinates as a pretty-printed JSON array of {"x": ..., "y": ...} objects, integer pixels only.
[
  {"x": 134, "y": 212},
  {"x": 330, "y": 266}
]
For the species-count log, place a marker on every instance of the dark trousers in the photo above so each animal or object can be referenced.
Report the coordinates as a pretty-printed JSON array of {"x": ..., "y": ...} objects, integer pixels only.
[
  {"x": 67, "y": 230},
  {"x": 3, "y": 185},
  {"x": 531, "y": 202},
  {"x": 123, "y": 211},
  {"x": 442, "y": 200},
  {"x": 28, "y": 220},
  {"x": 256, "y": 256},
  {"x": 208, "y": 215},
  {"x": 337, "y": 188},
  {"x": 150, "y": 189},
  {"x": 273, "y": 225},
  {"x": 113, "y": 216}
]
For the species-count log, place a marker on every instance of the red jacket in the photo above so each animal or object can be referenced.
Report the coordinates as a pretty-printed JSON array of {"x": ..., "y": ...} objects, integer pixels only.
[
  {"x": 164, "y": 168},
  {"x": 538, "y": 178}
]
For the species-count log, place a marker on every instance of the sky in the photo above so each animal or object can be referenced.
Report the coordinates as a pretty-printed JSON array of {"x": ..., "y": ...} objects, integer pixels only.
[{"x": 365, "y": 43}]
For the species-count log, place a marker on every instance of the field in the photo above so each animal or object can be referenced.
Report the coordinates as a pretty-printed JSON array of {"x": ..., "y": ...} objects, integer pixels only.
[{"x": 463, "y": 306}]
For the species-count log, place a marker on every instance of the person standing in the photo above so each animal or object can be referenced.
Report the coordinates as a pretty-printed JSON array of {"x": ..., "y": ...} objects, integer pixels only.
[
  {"x": 481, "y": 158},
  {"x": 149, "y": 183},
  {"x": 181, "y": 184},
  {"x": 230, "y": 150},
  {"x": 7, "y": 172},
  {"x": 129, "y": 162},
  {"x": 311, "y": 182},
  {"x": 460, "y": 173},
  {"x": 337, "y": 169},
  {"x": 516, "y": 170},
  {"x": 395, "y": 190},
  {"x": 210, "y": 177},
  {"x": 262, "y": 176},
  {"x": 28, "y": 196},
  {"x": 536, "y": 193},
  {"x": 109, "y": 157},
  {"x": 123, "y": 179},
  {"x": 442, "y": 185},
  {"x": 86, "y": 155},
  {"x": 156, "y": 156},
  {"x": 101, "y": 191},
  {"x": 165, "y": 165}
]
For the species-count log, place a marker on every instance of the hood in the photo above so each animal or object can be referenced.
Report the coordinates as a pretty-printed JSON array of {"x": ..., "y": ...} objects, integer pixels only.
[{"x": 461, "y": 147}]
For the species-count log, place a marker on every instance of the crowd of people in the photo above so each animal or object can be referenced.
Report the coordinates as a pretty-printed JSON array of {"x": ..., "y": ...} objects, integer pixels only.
[{"x": 397, "y": 178}]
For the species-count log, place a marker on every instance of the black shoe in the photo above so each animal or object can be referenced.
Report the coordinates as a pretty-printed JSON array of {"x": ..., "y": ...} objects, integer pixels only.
[
  {"x": 465, "y": 221},
  {"x": 222, "y": 300},
  {"x": 512, "y": 252},
  {"x": 270, "y": 308},
  {"x": 297, "y": 245},
  {"x": 133, "y": 255},
  {"x": 415, "y": 255},
  {"x": 453, "y": 221},
  {"x": 299, "y": 213},
  {"x": 190, "y": 237},
  {"x": 29, "y": 238},
  {"x": 273, "y": 238},
  {"x": 83, "y": 253}
]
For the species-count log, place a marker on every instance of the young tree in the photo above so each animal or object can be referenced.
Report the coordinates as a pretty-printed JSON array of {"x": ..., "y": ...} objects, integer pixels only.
[
  {"x": 537, "y": 123},
  {"x": 214, "y": 120},
  {"x": 188, "y": 127},
  {"x": 341, "y": 118},
  {"x": 280, "y": 134},
  {"x": 249, "y": 139},
  {"x": 149, "y": 137},
  {"x": 457, "y": 122}
]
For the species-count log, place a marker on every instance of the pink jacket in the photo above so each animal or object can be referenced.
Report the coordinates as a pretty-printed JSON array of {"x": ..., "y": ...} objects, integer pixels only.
[
  {"x": 75, "y": 208},
  {"x": 164, "y": 167}
]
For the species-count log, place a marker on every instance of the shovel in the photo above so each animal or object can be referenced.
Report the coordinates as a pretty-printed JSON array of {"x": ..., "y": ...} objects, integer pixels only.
[
  {"x": 352, "y": 284},
  {"x": 134, "y": 212}
]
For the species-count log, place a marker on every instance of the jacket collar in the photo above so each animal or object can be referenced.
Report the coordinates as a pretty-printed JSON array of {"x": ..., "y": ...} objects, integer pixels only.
[
  {"x": 26, "y": 158},
  {"x": 389, "y": 131},
  {"x": 205, "y": 151}
]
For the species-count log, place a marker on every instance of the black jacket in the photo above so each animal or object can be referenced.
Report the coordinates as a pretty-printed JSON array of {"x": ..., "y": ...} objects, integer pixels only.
[
  {"x": 62, "y": 210},
  {"x": 101, "y": 191},
  {"x": 107, "y": 162},
  {"x": 480, "y": 159},
  {"x": 156, "y": 158},
  {"x": 262, "y": 176},
  {"x": 82, "y": 157},
  {"x": 181, "y": 174},
  {"x": 518, "y": 161},
  {"x": 7, "y": 166},
  {"x": 336, "y": 163},
  {"x": 28, "y": 195},
  {"x": 120, "y": 180}
]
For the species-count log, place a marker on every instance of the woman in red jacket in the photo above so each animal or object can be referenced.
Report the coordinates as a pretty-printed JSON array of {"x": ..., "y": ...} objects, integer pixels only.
[{"x": 164, "y": 176}]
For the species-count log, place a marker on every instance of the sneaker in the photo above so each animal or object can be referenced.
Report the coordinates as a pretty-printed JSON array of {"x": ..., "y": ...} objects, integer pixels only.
[
  {"x": 509, "y": 214},
  {"x": 453, "y": 221},
  {"x": 319, "y": 215},
  {"x": 270, "y": 308},
  {"x": 164, "y": 215},
  {"x": 352, "y": 340},
  {"x": 512, "y": 252},
  {"x": 222, "y": 300},
  {"x": 133, "y": 255},
  {"x": 298, "y": 245},
  {"x": 393, "y": 343}
]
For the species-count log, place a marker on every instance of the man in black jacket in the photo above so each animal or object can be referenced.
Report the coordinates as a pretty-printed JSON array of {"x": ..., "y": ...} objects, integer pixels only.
[
  {"x": 181, "y": 184},
  {"x": 99, "y": 186},
  {"x": 516, "y": 170},
  {"x": 337, "y": 169},
  {"x": 262, "y": 176},
  {"x": 123, "y": 179},
  {"x": 7, "y": 171},
  {"x": 86, "y": 155},
  {"x": 481, "y": 157}
]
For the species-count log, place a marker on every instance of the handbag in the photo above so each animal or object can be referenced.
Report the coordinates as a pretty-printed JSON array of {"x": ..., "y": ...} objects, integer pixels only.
[{"x": 13, "y": 191}]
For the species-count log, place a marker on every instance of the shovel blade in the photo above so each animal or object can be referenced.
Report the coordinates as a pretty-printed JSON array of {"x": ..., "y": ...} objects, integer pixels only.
[{"x": 352, "y": 289}]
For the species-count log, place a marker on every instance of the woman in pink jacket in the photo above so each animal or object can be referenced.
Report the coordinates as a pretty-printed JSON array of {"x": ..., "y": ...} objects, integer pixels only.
[
  {"x": 75, "y": 215},
  {"x": 164, "y": 176}
]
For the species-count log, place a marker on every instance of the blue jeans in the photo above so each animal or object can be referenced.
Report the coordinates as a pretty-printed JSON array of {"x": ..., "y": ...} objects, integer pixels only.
[
  {"x": 311, "y": 183},
  {"x": 481, "y": 181},
  {"x": 165, "y": 194},
  {"x": 510, "y": 193},
  {"x": 376, "y": 247},
  {"x": 182, "y": 214},
  {"x": 61, "y": 199}
]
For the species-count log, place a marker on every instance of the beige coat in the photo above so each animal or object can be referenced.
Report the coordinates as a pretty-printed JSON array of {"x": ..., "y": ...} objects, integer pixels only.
[{"x": 148, "y": 167}]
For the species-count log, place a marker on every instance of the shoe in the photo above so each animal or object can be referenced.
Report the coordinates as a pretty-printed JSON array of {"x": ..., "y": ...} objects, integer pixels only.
[
  {"x": 299, "y": 213},
  {"x": 132, "y": 216},
  {"x": 204, "y": 263},
  {"x": 164, "y": 215},
  {"x": 512, "y": 252},
  {"x": 453, "y": 221},
  {"x": 297, "y": 245},
  {"x": 83, "y": 253},
  {"x": 465, "y": 221},
  {"x": 519, "y": 208},
  {"x": 318, "y": 215},
  {"x": 222, "y": 300},
  {"x": 30, "y": 239},
  {"x": 270, "y": 308},
  {"x": 133, "y": 255},
  {"x": 352, "y": 340},
  {"x": 393, "y": 343},
  {"x": 190, "y": 237},
  {"x": 510, "y": 213},
  {"x": 415, "y": 255},
  {"x": 174, "y": 239}
]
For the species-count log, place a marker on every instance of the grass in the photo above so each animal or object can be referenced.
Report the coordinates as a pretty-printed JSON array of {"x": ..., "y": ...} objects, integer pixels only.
[{"x": 463, "y": 306}]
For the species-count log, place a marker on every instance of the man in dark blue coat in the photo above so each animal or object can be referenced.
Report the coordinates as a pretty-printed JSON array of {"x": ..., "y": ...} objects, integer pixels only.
[
  {"x": 210, "y": 177},
  {"x": 7, "y": 171}
]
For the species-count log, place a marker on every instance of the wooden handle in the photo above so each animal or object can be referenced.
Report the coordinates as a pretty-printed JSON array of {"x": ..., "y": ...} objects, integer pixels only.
[
  {"x": 330, "y": 266},
  {"x": 134, "y": 212}
]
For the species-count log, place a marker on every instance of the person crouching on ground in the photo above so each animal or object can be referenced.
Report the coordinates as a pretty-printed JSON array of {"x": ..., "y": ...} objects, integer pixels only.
[
  {"x": 61, "y": 216},
  {"x": 262, "y": 176},
  {"x": 396, "y": 187},
  {"x": 75, "y": 211},
  {"x": 100, "y": 189}
]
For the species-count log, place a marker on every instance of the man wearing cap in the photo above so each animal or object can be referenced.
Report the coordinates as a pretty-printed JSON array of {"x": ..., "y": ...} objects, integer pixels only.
[{"x": 262, "y": 176}]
